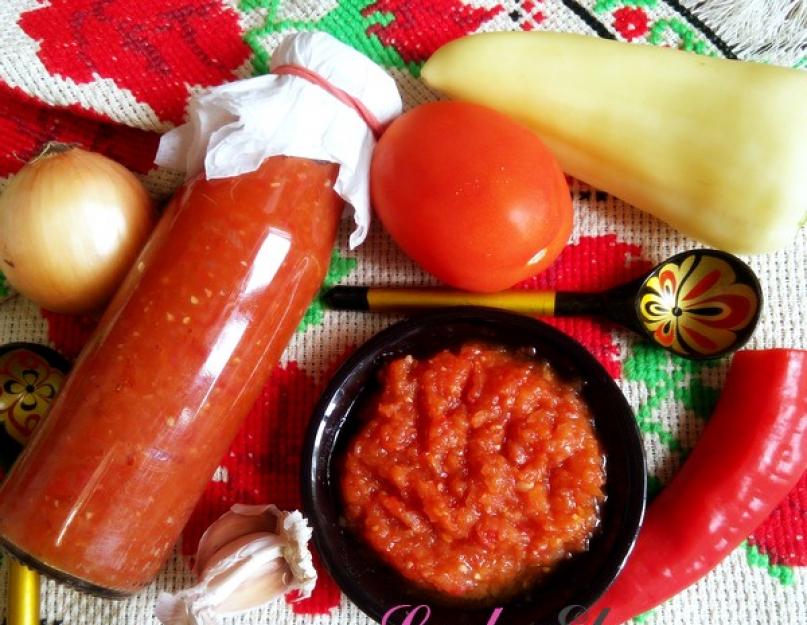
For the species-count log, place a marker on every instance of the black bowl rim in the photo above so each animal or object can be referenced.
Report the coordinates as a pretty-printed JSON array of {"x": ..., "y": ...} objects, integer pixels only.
[{"x": 374, "y": 347}]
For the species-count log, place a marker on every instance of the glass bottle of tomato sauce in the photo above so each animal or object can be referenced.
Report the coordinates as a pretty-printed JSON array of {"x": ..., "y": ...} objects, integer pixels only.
[{"x": 102, "y": 493}]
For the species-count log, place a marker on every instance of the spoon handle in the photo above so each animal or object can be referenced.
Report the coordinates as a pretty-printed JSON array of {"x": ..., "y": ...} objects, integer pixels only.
[
  {"x": 23, "y": 594},
  {"x": 539, "y": 303}
]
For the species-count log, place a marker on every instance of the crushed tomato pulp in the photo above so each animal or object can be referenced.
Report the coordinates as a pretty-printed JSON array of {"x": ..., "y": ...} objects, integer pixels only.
[{"x": 476, "y": 471}]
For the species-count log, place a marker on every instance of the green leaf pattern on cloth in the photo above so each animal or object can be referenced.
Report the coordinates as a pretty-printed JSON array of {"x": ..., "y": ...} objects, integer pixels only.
[
  {"x": 339, "y": 268},
  {"x": 688, "y": 39},
  {"x": 347, "y": 22},
  {"x": 685, "y": 36},
  {"x": 607, "y": 5},
  {"x": 642, "y": 618},
  {"x": 756, "y": 558},
  {"x": 666, "y": 377}
]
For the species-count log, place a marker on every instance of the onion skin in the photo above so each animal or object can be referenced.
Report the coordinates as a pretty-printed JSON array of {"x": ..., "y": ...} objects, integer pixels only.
[{"x": 72, "y": 223}]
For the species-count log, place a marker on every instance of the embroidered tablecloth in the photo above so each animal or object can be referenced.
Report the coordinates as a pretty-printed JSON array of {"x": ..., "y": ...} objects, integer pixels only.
[{"x": 112, "y": 74}]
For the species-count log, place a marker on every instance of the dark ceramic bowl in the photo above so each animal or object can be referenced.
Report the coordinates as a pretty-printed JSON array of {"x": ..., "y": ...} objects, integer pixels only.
[{"x": 374, "y": 586}]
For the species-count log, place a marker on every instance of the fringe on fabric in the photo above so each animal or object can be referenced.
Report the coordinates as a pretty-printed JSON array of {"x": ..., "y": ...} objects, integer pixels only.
[{"x": 773, "y": 31}]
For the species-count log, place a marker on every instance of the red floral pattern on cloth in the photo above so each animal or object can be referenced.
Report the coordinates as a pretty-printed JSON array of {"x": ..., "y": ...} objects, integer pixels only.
[
  {"x": 608, "y": 262},
  {"x": 177, "y": 43},
  {"x": 528, "y": 15},
  {"x": 25, "y": 126},
  {"x": 782, "y": 536},
  {"x": 419, "y": 28},
  {"x": 630, "y": 22}
]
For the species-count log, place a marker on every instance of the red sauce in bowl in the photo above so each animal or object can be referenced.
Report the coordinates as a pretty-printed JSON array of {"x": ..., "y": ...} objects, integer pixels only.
[{"x": 476, "y": 472}]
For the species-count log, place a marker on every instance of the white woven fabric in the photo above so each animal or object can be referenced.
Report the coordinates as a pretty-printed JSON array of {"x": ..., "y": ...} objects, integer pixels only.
[{"x": 735, "y": 593}]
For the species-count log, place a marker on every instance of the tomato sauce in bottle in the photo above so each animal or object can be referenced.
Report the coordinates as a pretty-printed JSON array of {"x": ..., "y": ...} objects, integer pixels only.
[
  {"x": 183, "y": 351},
  {"x": 101, "y": 494}
]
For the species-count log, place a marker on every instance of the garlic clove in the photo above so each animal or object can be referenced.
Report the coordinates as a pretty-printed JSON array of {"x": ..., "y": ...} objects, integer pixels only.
[
  {"x": 231, "y": 525},
  {"x": 247, "y": 558},
  {"x": 268, "y": 581},
  {"x": 258, "y": 545}
]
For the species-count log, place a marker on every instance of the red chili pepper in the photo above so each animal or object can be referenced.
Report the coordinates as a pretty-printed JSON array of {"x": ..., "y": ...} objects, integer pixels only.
[{"x": 751, "y": 454}]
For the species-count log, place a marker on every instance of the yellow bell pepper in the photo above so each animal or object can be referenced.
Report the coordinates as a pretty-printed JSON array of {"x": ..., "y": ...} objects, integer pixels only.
[{"x": 716, "y": 148}]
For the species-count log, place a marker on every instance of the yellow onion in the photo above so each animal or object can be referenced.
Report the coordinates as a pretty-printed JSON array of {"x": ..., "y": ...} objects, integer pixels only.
[{"x": 71, "y": 224}]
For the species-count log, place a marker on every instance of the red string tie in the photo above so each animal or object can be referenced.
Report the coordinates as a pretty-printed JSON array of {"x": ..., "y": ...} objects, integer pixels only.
[{"x": 340, "y": 94}]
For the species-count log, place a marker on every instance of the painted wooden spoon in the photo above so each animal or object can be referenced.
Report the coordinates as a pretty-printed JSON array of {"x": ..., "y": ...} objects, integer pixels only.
[
  {"x": 30, "y": 377},
  {"x": 699, "y": 304}
]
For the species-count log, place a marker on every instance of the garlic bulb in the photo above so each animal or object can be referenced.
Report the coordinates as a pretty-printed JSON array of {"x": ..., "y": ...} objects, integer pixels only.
[{"x": 248, "y": 557}]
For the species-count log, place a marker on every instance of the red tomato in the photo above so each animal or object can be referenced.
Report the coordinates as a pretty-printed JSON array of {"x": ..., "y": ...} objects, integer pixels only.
[{"x": 471, "y": 195}]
